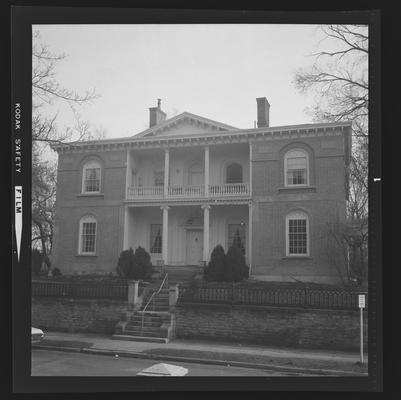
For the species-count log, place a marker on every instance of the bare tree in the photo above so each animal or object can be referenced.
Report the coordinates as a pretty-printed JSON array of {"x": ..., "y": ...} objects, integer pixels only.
[
  {"x": 338, "y": 78},
  {"x": 43, "y": 202},
  {"x": 46, "y": 91}
]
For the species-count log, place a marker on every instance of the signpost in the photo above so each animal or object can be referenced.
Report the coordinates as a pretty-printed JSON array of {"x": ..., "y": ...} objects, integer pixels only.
[{"x": 361, "y": 303}]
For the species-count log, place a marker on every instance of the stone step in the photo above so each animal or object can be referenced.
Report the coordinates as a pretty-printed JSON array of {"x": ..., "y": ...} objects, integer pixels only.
[
  {"x": 146, "y": 316},
  {"x": 158, "y": 303},
  {"x": 146, "y": 328},
  {"x": 161, "y": 314},
  {"x": 137, "y": 324},
  {"x": 144, "y": 333},
  {"x": 141, "y": 338}
]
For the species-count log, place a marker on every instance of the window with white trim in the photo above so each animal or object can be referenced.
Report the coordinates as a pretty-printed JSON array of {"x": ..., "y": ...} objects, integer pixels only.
[
  {"x": 297, "y": 234},
  {"x": 156, "y": 232},
  {"x": 296, "y": 168},
  {"x": 236, "y": 236},
  {"x": 87, "y": 235},
  {"x": 159, "y": 177},
  {"x": 91, "y": 177}
]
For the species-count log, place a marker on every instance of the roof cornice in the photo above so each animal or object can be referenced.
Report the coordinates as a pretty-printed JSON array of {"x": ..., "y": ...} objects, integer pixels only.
[
  {"x": 208, "y": 138},
  {"x": 215, "y": 125}
]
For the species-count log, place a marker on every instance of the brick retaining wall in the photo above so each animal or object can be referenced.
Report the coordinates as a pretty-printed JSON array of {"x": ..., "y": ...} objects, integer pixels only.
[
  {"x": 286, "y": 327},
  {"x": 77, "y": 315}
]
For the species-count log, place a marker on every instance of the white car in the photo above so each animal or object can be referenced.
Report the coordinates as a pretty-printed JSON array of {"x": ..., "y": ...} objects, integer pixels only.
[{"x": 36, "y": 335}]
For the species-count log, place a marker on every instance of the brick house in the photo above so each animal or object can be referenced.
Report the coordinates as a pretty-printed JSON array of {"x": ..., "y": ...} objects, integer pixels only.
[{"x": 188, "y": 183}]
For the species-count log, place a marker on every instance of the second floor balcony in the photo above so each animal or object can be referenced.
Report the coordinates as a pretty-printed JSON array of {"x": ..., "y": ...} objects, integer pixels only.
[
  {"x": 193, "y": 173},
  {"x": 225, "y": 190}
]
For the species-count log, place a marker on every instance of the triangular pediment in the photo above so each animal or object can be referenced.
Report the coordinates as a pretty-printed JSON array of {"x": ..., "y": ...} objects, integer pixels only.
[{"x": 185, "y": 124}]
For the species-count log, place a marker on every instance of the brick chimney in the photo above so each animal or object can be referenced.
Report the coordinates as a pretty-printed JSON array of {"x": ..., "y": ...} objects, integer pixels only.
[
  {"x": 156, "y": 115},
  {"x": 263, "y": 112}
]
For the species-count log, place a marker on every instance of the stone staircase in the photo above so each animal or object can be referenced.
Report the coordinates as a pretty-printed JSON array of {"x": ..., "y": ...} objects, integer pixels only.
[{"x": 153, "y": 324}]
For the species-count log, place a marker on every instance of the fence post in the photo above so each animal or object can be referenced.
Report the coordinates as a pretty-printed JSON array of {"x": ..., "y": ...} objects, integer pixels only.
[
  {"x": 133, "y": 292},
  {"x": 173, "y": 295}
]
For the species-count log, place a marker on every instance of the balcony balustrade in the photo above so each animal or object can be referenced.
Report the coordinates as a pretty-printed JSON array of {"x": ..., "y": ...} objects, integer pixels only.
[
  {"x": 145, "y": 192},
  {"x": 188, "y": 192}
]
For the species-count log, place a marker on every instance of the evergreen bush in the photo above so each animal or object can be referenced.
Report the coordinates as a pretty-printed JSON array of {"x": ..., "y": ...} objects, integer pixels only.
[
  {"x": 236, "y": 268},
  {"x": 230, "y": 267},
  {"x": 215, "y": 269},
  {"x": 136, "y": 265}
]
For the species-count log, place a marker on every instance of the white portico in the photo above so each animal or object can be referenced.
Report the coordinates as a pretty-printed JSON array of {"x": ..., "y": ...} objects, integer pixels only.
[
  {"x": 187, "y": 200},
  {"x": 186, "y": 234}
]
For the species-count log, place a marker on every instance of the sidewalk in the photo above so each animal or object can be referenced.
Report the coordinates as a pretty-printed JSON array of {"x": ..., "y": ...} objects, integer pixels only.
[{"x": 314, "y": 362}]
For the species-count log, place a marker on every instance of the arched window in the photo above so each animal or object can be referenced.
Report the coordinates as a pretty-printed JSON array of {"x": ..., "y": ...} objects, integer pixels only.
[
  {"x": 196, "y": 175},
  {"x": 87, "y": 235},
  {"x": 296, "y": 168},
  {"x": 91, "y": 177},
  {"x": 297, "y": 234},
  {"x": 234, "y": 173}
]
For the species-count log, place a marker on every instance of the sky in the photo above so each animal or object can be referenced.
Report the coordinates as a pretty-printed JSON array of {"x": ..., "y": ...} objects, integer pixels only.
[{"x": 215, "y": 71}]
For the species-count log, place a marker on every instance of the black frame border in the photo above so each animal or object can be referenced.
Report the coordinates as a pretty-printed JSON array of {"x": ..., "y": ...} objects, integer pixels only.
[{"x": 22, "y": 18}]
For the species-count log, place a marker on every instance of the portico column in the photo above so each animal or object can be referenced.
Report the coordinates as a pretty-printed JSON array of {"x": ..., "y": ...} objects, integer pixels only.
[
  {"x": 166, "y": 170},
  {"x": 250, "y": 209},
  {"x": 165, "y": 234},
  {"x": 206, "y": 221},
  {"x": 126, "y": 228},
  {"x": 128, "y": 174},
  {"x": 207, "y": 171},
  {"x": 250, "y": 168}
]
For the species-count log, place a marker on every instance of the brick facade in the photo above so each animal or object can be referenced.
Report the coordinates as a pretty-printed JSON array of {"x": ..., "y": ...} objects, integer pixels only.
[{"x": 261, "y": 152}]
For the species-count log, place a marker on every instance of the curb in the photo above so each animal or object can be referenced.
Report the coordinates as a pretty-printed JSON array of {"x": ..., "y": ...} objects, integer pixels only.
[{"x": 162, "y": 357}]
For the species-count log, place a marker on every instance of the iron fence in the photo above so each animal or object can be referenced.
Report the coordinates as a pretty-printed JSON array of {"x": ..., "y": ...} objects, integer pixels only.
[
  {"x": 80, "y": 290},
  {"x": 289, "y": 297}
]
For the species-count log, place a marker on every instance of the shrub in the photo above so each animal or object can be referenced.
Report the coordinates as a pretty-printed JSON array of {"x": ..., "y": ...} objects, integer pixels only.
[
  {"x": 125, "y": 262},
  {"x": 142, "y": 263},
  {"x": 56, "y": 272},
  {"x": 230, "y": 267},
  {"x": 136, "y": 265},
  {"x": 37, "y": 258},
  {"x": 236, "y": 268},
  {"x": 215, "y": 269}
]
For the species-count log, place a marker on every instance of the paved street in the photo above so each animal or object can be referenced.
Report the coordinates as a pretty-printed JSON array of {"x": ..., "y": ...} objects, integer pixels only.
[{"x": 58, "y": 363}]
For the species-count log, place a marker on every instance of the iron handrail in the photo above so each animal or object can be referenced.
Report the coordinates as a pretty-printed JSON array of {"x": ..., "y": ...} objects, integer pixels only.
[{"x": 152, "y": 296}]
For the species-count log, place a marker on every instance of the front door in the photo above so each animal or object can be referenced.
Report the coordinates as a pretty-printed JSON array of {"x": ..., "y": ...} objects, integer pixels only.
[{"x": 194, "y": 247}]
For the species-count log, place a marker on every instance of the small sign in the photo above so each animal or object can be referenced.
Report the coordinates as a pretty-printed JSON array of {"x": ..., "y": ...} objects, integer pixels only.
[{"x": 361, "y": 300}]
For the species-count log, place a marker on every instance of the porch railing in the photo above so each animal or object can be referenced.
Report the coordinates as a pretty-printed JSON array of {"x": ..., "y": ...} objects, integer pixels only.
[
  {"x": 144, "y": 192},
  {"x": 194, "y": 191},
  {"x": 229, "y": 189},
  {"x": 186, "y": 191}
]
